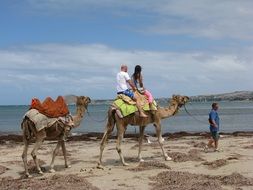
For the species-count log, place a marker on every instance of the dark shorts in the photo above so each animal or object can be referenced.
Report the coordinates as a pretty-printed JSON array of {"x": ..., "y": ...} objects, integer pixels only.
[
  {"x": 128, "y": 93},
  {"x": 215, "y": 135}
]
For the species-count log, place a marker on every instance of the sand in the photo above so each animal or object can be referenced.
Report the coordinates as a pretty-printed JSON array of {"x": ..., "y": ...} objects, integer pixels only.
[{"x": 190, "y": 168}]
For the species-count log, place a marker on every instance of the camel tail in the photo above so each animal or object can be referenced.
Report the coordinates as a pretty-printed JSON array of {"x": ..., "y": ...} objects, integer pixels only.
[
  {"x": 26, "y": 126},
  {"x": 111, "y": 118}
]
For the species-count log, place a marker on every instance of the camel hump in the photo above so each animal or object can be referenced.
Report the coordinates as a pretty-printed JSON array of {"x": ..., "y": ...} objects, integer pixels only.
[{"x": 51, "y": 108}]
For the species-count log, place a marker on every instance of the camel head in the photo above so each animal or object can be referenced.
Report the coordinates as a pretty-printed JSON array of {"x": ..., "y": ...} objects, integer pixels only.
[
  {"x": 180, "y": 100},
  {"x": 81, "y": 106},
  {"x": 83, "y": 101}
]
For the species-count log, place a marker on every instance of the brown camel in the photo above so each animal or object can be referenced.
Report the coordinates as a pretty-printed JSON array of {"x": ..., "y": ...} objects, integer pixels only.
[
  {"x": 121, "y": 123},
  {"x": 57, "y": 131}
]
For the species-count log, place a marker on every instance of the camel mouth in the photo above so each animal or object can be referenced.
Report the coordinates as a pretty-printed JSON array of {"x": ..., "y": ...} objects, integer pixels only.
[
  {"x": 181, "y": 104},
  {"x": 186, "y": 99},
  {"x": 88, "y": 100}
]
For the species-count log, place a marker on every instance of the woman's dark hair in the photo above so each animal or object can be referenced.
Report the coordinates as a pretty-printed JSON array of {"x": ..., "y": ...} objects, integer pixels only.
[{"x": 137, "y": 71}]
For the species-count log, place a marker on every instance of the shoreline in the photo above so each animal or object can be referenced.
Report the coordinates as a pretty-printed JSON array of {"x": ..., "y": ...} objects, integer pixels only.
[{"x": 91, "y": 136}]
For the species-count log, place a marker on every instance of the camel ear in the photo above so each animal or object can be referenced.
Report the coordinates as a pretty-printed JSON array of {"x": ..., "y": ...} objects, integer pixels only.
[{"x": 175, "y": 96}]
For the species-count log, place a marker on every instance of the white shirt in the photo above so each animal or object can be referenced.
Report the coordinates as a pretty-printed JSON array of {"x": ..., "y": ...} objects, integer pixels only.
[{"x": 122, "y": 78}]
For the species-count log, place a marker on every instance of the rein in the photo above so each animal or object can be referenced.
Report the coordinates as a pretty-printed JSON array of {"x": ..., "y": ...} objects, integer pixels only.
[
  {"x": 201, "y": 121},
  {"x": 100, "y": 121}
]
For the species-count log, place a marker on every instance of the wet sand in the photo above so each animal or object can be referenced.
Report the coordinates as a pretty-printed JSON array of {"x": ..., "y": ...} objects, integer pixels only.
[{"x": 190, "y": 168}]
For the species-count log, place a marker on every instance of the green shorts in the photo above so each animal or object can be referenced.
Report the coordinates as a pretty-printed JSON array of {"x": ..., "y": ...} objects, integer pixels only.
[{"x": 215, "y": 135}]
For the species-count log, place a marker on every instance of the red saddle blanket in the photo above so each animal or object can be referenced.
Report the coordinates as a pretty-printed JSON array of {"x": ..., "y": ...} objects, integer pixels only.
[{"x": 51, "y": 108}]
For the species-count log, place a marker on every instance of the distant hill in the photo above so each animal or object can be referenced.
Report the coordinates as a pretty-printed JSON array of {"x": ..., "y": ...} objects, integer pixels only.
[{"x": 233, "y": 96}]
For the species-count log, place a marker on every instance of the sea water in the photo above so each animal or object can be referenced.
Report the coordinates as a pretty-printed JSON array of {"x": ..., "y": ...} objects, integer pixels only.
[{"x": 234, "y": 116}]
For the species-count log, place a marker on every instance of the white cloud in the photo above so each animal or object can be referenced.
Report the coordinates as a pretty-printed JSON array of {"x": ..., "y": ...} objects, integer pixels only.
[
  {"x": 47, "y": 68},
  {"x": 91, "y": 69},
  {"x": 226, "y": 63},
  {"x": 208, "y": 18},
  {"x": 200, "y": 18}
]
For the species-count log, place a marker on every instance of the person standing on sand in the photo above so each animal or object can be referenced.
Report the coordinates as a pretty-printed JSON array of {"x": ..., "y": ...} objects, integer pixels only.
[
  {"x": 214, "y": 122},
  {"x": 123, "y": 80}
]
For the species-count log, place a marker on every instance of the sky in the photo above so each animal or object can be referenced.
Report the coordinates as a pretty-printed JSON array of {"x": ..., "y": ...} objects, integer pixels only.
[{"x": 63, "y": 47}]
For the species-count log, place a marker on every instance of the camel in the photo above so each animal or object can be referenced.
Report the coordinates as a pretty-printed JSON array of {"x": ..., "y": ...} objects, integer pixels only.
[
  {"x": 154, "y": 117},
  {"x": 58, "y": 131}
]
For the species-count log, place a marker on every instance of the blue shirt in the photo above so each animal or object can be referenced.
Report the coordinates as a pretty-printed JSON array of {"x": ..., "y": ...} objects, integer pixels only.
[{"x": 213, "y": 115}]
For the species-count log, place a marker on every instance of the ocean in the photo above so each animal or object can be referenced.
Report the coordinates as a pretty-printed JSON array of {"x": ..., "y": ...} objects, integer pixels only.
[{"x": 234, "y": 116}]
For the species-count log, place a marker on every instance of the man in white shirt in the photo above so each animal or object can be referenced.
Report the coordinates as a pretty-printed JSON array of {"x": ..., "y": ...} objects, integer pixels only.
[{"x": 123, "y": 80}]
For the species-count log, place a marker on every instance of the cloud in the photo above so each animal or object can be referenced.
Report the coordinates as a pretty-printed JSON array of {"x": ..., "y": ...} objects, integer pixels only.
[
  {"x": 212, "y": 19},
  {"x": 226, "y": 63},
  {"x": 90, "y": 69}
]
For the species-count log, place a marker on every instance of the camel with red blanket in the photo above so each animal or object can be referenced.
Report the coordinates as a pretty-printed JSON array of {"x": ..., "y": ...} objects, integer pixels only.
[{"x": 52, "y": 128}]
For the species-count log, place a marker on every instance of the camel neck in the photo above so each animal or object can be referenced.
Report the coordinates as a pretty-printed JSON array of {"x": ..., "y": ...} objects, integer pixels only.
[
  {"x": 79, "y": 115},
  {"x": 169, "y": 111}
]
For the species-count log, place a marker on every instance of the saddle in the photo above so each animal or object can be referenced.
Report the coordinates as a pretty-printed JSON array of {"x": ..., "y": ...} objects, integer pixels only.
[
  {"x": 126, "y": 106},
  {"x": 51, "y": 108}
]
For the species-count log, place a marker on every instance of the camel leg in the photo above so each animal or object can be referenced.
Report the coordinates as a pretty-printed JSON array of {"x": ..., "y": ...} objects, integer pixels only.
[
  {"x": 34, "y": 154},
  {"x": 160, "y": 140},
  {"x": 24, "y": 157},
  {"x": 102, "y": 144},
  {"x": 65, "y": 154},
  {"x": 118, "y": 146},
  {"x": 56, "y": 150},
  {"x": 140, "y": 142}
]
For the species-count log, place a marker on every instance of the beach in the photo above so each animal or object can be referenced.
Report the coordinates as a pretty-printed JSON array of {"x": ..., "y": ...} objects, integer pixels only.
[{"x": 190, "y": 168}]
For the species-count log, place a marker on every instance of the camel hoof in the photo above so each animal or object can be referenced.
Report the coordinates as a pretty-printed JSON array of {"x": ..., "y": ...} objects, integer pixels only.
[
  {"x": 68, "y": 166},
  {"x": 41, "y": 172},
  {"x": 141, "y": 160},
  {"x": 28, "y": 176},
  {"x": 168, "y": 158},
  {"x": 52, "y": 170},
  {"x": 125, "y": 164},
  {"x": 99, "y": 166}
]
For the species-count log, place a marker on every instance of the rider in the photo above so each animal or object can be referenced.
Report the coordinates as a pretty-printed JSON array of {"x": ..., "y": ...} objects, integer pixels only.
[
  {"x": 138, "y": 82},
  {"x": 123, "y": 80}
]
